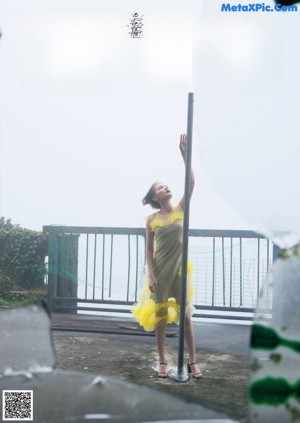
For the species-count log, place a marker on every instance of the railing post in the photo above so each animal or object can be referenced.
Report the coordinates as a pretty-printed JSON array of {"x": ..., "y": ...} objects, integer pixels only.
[
  {"x": 67, "y": 272},
  {"x": 52, "y": 269},
  {"x": 276, "y": 252}
]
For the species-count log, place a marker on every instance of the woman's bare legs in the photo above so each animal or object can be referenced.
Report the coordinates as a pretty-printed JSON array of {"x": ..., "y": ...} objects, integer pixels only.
[
  {"x": 160, "y": 332},
  {"x": 190, "y": 338},
  {"x": 190, "y": 343}
]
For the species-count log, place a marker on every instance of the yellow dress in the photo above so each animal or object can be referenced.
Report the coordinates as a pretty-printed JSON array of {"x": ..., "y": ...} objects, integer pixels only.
[{"x": 164, "y": 304}]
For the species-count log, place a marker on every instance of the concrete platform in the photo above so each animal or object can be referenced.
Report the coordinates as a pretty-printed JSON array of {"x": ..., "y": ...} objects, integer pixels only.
[{"x": 119, "y": 349}]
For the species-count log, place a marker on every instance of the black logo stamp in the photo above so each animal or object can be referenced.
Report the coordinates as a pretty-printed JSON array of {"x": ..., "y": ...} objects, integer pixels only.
[{"x": 136, "y": 26}]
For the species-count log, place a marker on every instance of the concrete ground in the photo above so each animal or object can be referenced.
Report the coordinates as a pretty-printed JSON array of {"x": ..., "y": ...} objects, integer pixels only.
[{"x": 119, "y": 349}]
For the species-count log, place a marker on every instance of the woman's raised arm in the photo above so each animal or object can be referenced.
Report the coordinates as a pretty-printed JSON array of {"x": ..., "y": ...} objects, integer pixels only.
[{"x": 182, "y": 146}]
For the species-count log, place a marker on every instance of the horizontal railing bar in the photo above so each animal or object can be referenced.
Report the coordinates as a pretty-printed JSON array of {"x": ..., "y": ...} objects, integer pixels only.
[
  {"x": 226, "y": 233},
  {"x": 130, "y": 303},
  {"x": 107, "y": 331},
  {"x": 127, "y": 311},
  {"x": 224, "y": 308},
  {"x": 75, "y": 230},
  {"x": 224, "y": 316},
  {"x": 232, "y": 309},
  {"x": 83, "y": 300},
  {"x": 117, "y": 310}
]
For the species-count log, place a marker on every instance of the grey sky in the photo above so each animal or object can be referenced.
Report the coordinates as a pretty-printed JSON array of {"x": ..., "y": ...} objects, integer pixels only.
[
  {"x": 90, "y": 117},
  {"x": 247, "y": 70}
]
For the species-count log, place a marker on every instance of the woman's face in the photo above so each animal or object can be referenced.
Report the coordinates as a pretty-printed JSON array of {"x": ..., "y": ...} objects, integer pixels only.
[{"x": 162, "y": 192}]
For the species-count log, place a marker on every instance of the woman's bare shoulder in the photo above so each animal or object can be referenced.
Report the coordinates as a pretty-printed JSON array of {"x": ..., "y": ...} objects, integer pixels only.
[{"x": 150, "y": 217}]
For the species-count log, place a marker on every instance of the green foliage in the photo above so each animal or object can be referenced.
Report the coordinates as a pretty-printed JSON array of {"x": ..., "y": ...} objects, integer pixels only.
[
  {"x": 7, "y": 286},
  {"x": 291, "y": 252},
  {"x": 22, "y": 258},
  {"x": 13, "y": 295}
]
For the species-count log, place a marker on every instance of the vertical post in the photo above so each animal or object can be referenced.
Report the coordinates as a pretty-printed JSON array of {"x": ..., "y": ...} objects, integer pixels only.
[
  {"x": 103, "y": 265},
  {"x": 223, "y": 271},
  {"x": 241, "y": 274},
  {"x": 213, "y": 273},
  {"x": 52, "y": 270},
  {"x": 276, "y": 255},
  {"x": 95, "y": 259},
  {"x": 67, "y": 279},
  {"x": 111, "y": 262},
  {"x": 230, "y": 304},
  {"x": 128, "y": 274},
  {"x": 136, "y": 265},
  {"x": 188, "y": 160},
  {"x": 258, "y": 268},
  {"x": 276, "y": 252}
]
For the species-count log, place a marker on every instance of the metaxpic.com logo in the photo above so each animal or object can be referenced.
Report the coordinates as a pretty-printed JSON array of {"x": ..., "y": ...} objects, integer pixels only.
[{"x": 258, "y": 7}]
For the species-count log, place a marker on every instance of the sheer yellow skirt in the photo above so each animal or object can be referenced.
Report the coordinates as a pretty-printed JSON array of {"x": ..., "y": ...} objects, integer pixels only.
[{"x": 150, "y": 314}]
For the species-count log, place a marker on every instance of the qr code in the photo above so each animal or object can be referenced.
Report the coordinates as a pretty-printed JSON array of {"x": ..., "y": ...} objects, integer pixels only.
[{"x": 17, "y": 405}]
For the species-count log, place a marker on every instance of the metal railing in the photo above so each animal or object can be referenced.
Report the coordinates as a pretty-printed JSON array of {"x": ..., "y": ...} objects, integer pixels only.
[{"x": 101, "y": 268}]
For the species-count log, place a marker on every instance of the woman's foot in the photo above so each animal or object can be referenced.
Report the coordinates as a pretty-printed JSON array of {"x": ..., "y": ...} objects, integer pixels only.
[
  {"x": 162, "y": 371},
  {"x": 193, "y": 369}
]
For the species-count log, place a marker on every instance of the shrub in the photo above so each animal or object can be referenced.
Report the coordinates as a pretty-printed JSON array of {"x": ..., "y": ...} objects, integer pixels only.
[
  {"x": 22, "y": 256},
  {"x": 7, "y": 287}
]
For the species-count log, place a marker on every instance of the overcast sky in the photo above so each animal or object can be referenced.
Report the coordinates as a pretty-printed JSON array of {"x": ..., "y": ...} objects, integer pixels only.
[{"x": 90, "y": 117}]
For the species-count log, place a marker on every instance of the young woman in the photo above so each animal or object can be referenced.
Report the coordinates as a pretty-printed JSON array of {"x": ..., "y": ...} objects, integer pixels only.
[{"x": 160, "y": 298}]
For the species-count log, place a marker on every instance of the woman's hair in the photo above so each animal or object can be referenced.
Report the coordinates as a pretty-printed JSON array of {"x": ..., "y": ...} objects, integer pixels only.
[{"x": 148, "y": 199}]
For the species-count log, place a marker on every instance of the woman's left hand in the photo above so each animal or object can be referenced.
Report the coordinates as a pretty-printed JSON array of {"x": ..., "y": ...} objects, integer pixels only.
[
  {"x": 182, "y": 145},
  {"x": 183, "y": 148}
]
